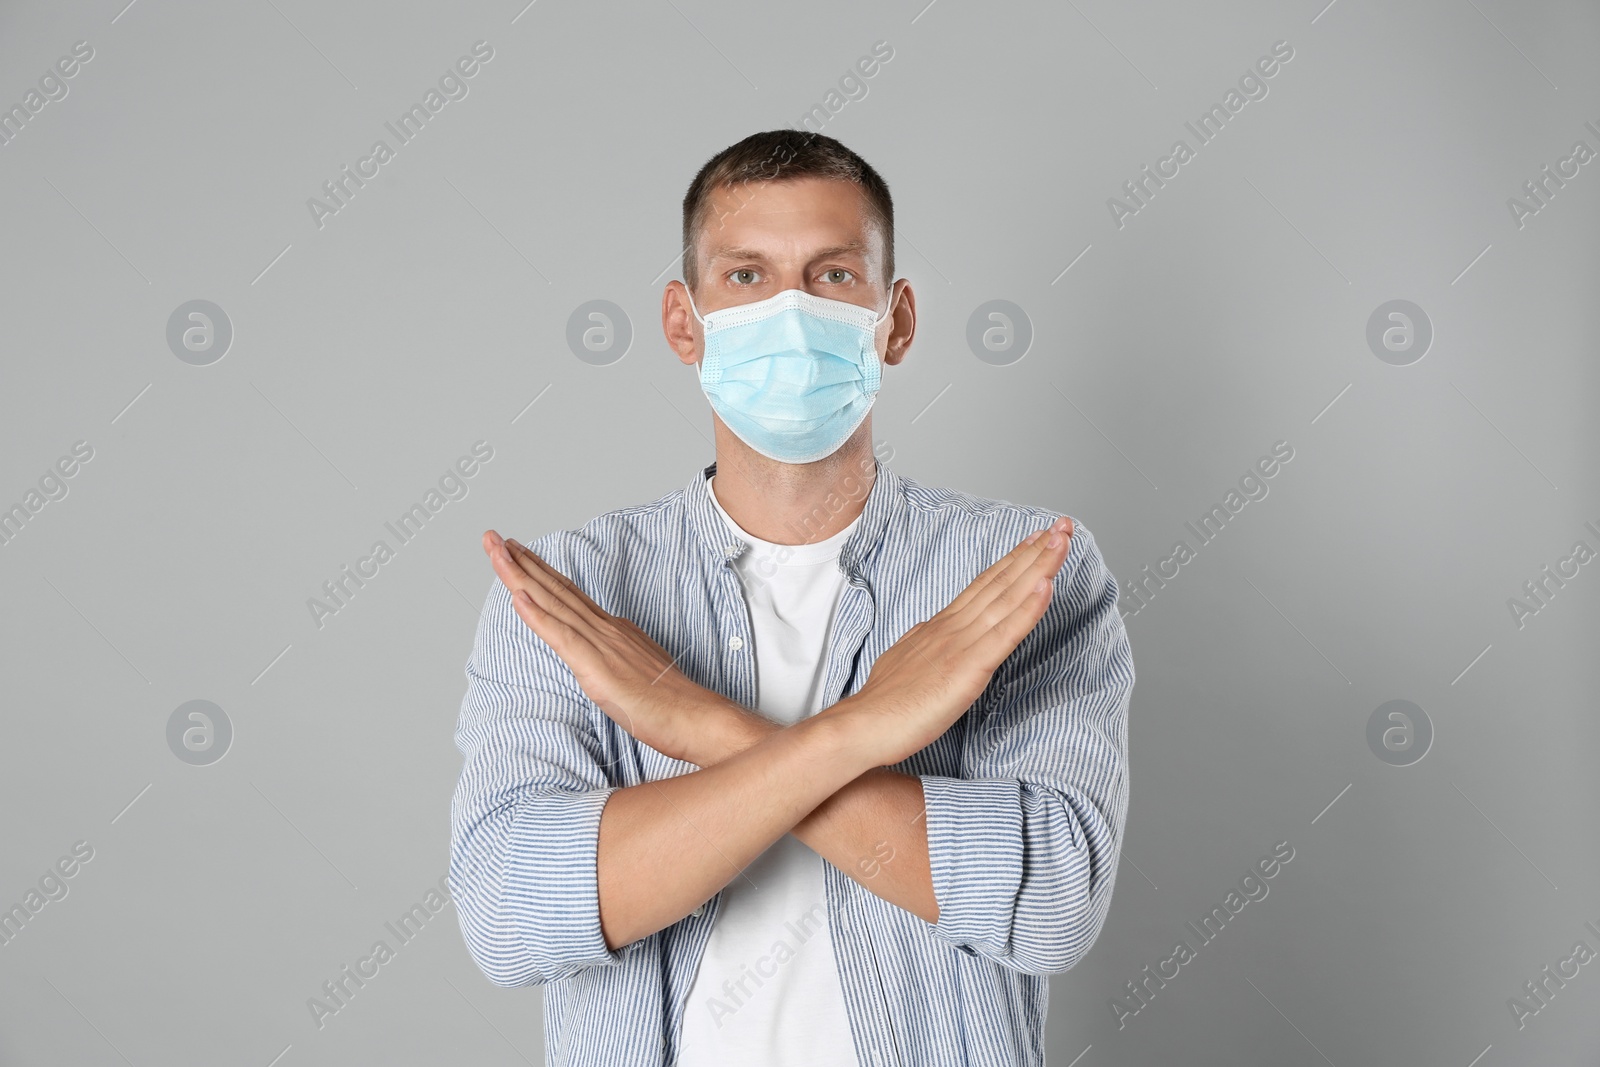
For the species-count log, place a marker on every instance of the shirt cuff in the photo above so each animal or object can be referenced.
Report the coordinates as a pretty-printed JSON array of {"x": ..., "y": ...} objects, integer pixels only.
[
  {"x": 552, "y": 889},
  {"x": 975, "y": 857}
]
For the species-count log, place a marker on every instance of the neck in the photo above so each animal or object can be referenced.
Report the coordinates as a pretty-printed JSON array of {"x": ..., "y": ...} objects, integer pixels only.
[{"x": 789, "y": 503}]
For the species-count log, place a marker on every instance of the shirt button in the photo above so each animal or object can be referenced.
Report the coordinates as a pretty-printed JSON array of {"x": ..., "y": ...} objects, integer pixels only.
[
  {"x": 736, "y": 642},
  {"x": 701, "y": 910}
]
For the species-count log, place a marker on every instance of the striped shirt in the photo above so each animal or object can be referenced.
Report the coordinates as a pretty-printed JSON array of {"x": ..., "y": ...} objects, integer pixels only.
[{"x": 1025, "y": 795}]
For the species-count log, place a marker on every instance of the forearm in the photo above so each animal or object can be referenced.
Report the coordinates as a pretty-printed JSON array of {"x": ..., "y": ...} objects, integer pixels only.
[
  {"x": 667, "y": 846},
  {"x": 872, "y": 828}
]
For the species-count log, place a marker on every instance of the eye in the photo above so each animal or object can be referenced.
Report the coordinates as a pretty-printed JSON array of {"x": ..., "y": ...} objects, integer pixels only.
[
  {"x": 829, "y": 275},
  {"x": 739, "y": 279}
]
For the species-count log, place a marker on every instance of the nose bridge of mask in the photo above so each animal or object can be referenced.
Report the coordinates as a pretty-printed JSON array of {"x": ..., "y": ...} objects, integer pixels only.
[
  {"x": 836, "y": 327},
  {"x": 821, "y": 307}
]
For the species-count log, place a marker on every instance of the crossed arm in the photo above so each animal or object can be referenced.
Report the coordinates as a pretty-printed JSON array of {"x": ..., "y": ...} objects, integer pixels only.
[{"x": 668, "y": 846}]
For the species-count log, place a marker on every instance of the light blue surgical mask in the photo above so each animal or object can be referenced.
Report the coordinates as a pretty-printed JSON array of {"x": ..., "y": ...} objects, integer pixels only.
[{"x": 792, "y": 375}]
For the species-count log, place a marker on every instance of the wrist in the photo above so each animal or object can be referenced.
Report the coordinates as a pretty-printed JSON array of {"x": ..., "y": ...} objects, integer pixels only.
[
  {"x": 860, "y": 735},
  {"x": 846, "y": 741},
  {"x": 726, "y": 729}
]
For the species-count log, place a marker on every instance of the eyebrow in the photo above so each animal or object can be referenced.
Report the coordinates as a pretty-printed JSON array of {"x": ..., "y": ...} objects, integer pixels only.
[{"x": 857, "y": 247}]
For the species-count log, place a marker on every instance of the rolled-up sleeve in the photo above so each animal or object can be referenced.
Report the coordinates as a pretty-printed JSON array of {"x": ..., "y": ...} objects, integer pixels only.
[
  {"x": 1023, "y": 843},
  {"x": 525, "y": 816}
]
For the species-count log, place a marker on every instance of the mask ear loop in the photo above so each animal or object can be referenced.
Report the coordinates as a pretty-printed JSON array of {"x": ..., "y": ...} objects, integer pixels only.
[
  {"x": 710, "y": 369},
  {"x": 874, "y": 372},
  {"x": 886, "y": 311},
  {"x": 692, "y": 309}
]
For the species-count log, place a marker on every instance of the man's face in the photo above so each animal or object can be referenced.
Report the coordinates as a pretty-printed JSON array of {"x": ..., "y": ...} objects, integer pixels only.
[{"x": 763, "y": 237}]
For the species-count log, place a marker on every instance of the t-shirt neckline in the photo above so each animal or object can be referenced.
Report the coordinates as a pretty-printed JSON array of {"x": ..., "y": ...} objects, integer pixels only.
[{"x": 788, "y": 555}]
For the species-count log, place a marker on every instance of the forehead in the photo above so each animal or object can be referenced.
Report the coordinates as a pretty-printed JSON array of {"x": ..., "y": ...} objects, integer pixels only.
[{"x": 789, "y": 219}]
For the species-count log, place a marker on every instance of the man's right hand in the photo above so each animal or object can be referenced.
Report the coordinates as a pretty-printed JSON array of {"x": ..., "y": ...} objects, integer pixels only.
[{"x": 925, "y": 681}]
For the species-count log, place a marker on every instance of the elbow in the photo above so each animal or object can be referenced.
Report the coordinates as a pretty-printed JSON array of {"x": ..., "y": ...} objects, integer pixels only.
[
  {"x": 1043, "y": 941},
  {"x": 519, "y": 939},
  {"x": 496, "y": 946},
  {"x": 506, "y": 958},
  {"x": 491, "y": 932},
  {"x": 1060, "y": 918},
  {"x": 1054, "y": 934},
  {"x": 508, "y": 975},
  {"x": 1063, "y": 940},
  {"x": 524, "y": 873}
]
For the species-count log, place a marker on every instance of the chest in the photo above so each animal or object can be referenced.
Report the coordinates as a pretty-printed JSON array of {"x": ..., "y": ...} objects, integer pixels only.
[{"x": 823, "y": 630}]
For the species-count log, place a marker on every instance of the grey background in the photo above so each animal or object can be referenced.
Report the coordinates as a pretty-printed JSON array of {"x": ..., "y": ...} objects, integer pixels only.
[{"x": 367, "y": 355}]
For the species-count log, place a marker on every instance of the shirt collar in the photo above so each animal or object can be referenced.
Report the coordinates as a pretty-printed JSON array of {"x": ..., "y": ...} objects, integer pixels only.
[{"x": 883, "y": 501}]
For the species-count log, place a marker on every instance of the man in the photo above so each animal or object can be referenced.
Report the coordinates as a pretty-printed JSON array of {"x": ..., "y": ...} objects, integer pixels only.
[{"x": 804, "y": 763}]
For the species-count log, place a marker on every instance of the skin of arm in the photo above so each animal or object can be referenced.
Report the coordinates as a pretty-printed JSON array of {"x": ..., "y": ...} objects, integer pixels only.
[
  {"x": 872, "y": 829},
  {"x": 667, "y": 846}
]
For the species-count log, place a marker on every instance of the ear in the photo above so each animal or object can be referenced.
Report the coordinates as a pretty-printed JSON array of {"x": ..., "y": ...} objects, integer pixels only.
[
  {"x": 678, "y": 323},
  {"x": 902, "y": 321}
]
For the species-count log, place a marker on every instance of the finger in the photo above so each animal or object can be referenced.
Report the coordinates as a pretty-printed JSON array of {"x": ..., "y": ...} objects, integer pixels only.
[
  {"x": 540, "y": 570},
  {"x": 575, "y": 650},
  {"x": 997, "y": 642},
  {"x": 1003, "y": 601},
  {"x": 503, "y": 562},
  {"x": 1050, "y": 558},
  {"x": 552, "y": 603},
  {"x": 548, "y": 601},
  {"x": 570, "y": 643},
  {"x": 506, "y": 569},
  {"x": 1038, "y": 558},
  {"x": 553, "y": 632},
  {"x": 561, "y": 598},
  {"x": 1025, "y": 548},
  {"x": 492, "y": 542},
  {"x": 519, "y": 568}
]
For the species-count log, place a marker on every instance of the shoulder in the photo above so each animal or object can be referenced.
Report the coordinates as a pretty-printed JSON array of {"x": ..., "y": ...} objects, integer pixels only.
[
  {"x": 1081, "y": 638},
  {"x": 651, "y": 533},
  {"x": 954, "y": 520}
]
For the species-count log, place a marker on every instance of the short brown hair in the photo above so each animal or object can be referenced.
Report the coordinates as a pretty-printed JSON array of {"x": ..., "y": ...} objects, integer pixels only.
[{"x": 778, "y": 155}]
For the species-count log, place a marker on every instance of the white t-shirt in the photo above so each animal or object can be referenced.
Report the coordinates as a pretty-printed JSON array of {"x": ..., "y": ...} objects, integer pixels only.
[{"x": 767, "y": 991}]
